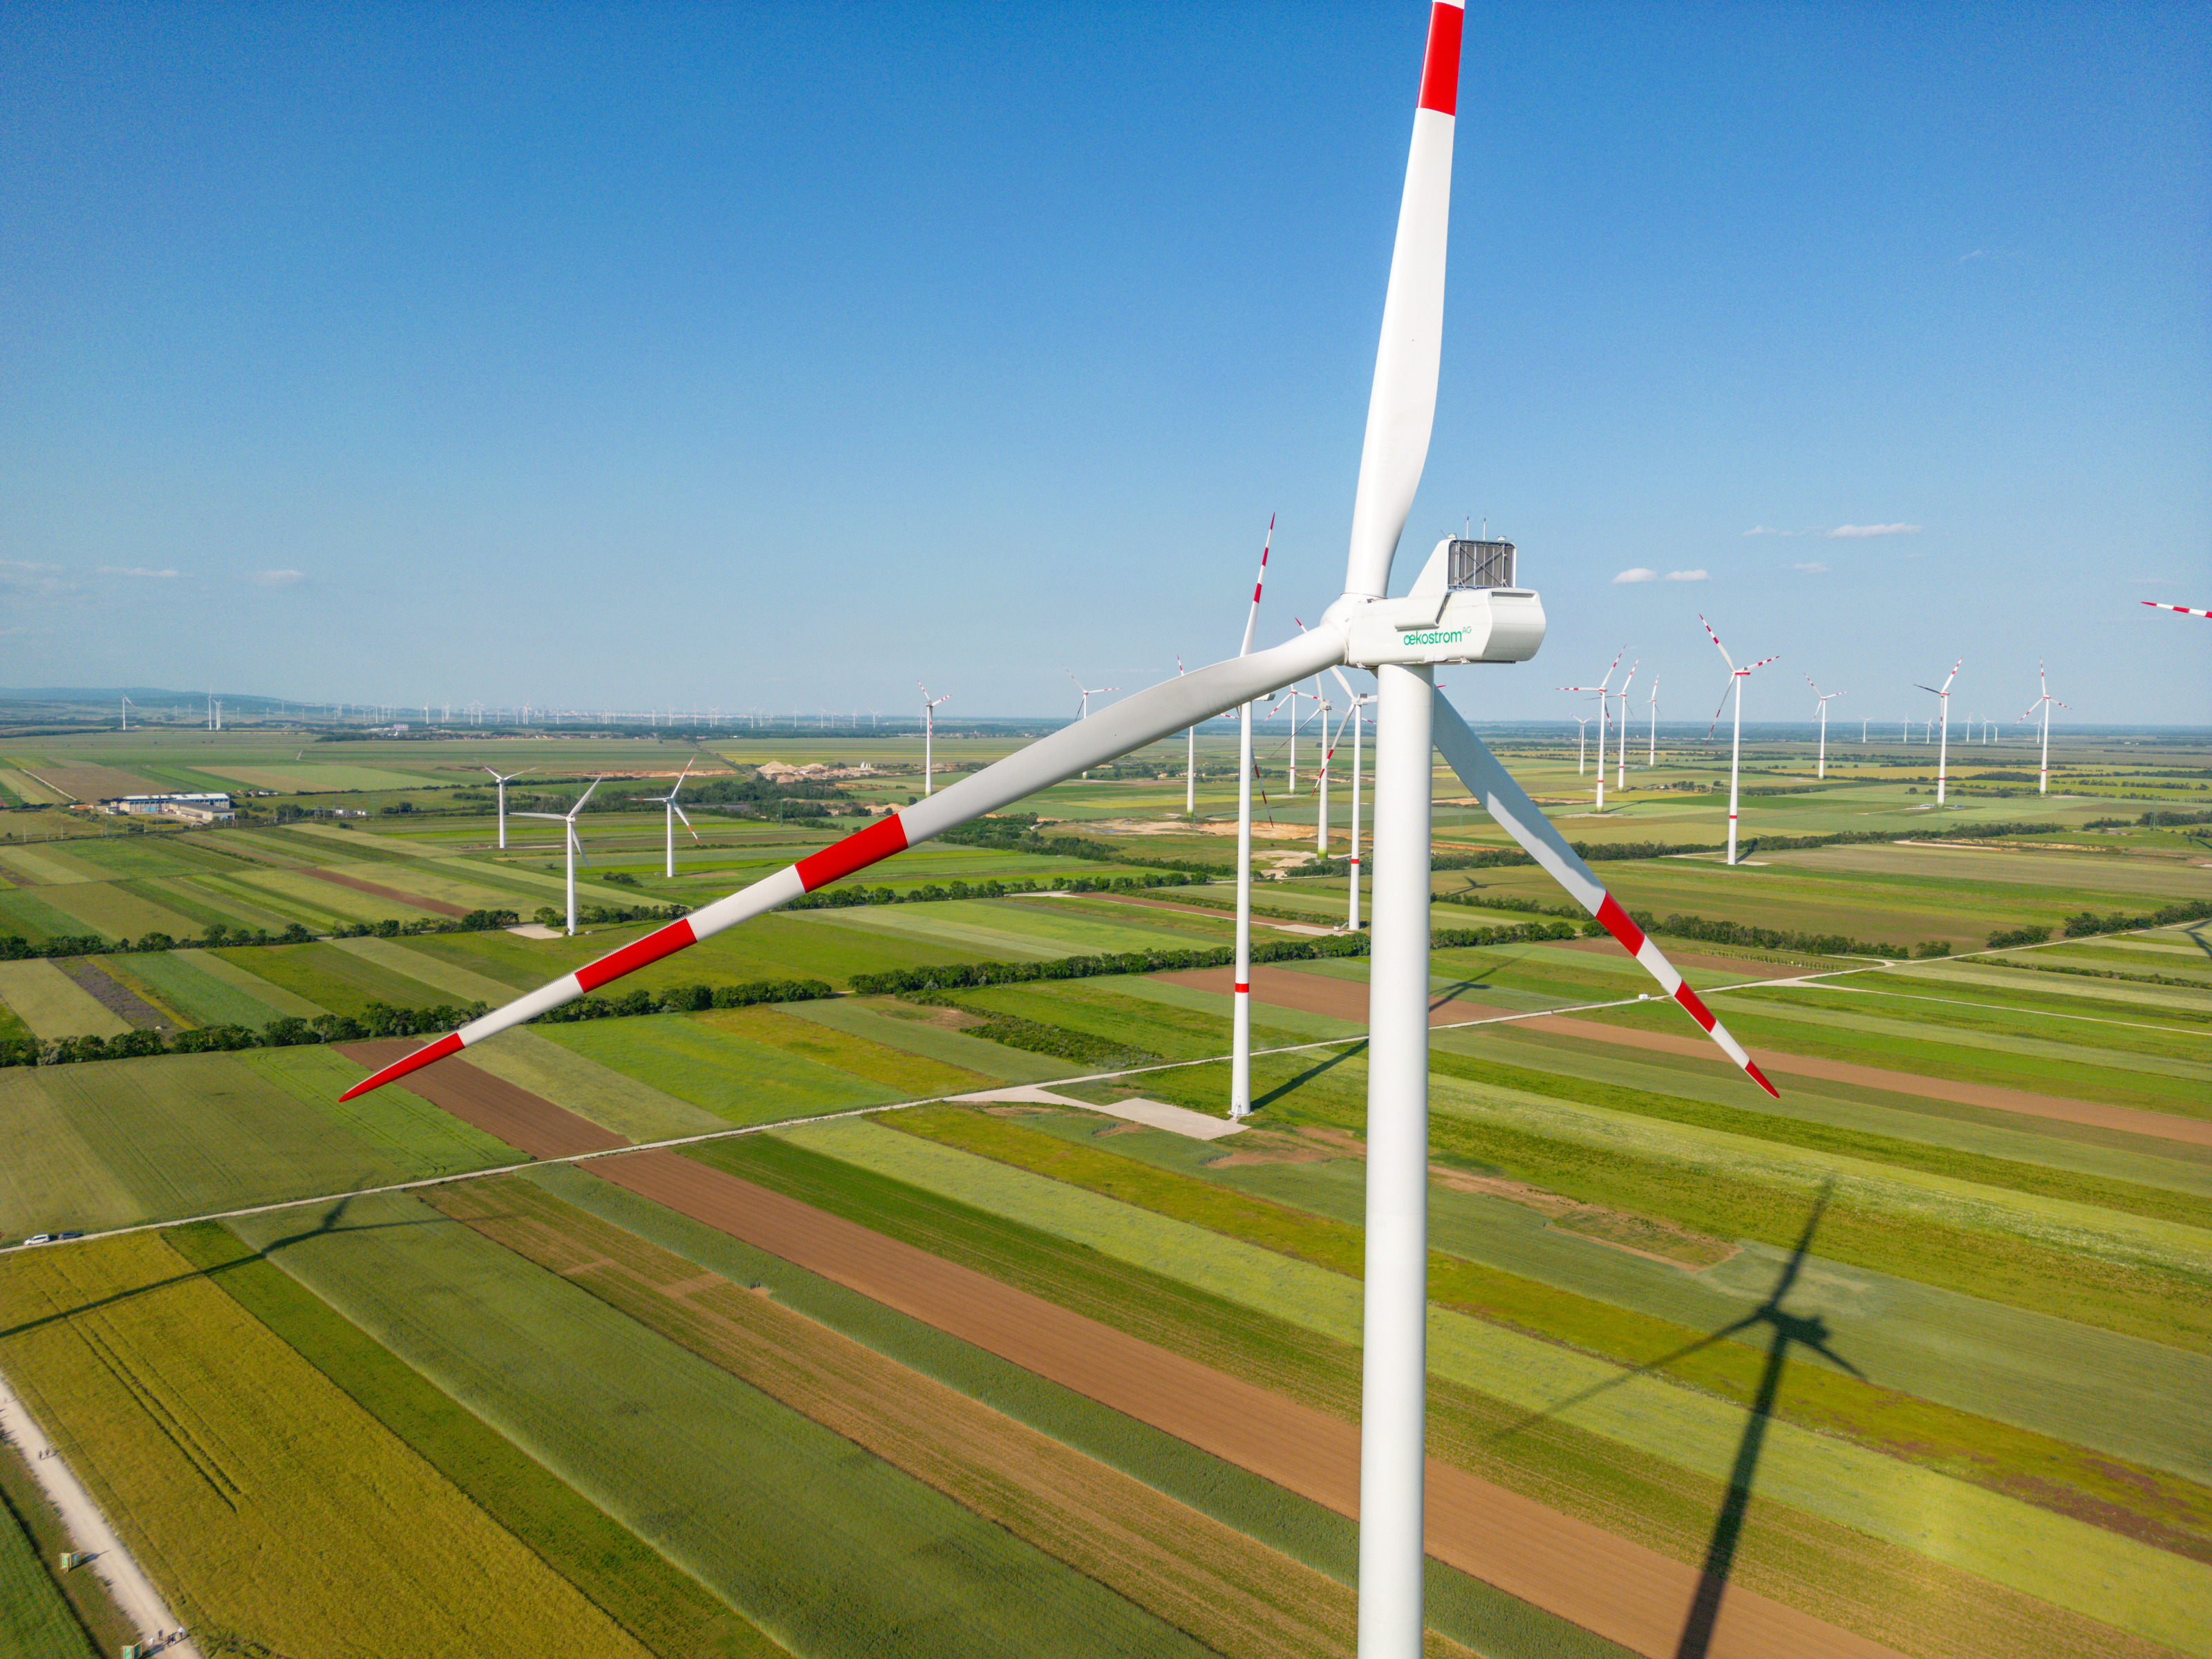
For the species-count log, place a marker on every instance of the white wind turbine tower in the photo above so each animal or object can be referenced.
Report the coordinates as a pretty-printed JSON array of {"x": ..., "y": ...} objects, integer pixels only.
[
  {"x": 1581, "y": 743},
  {"x": 575, "y": 847},
  {"x": 2043, "y": 702},
  {"x": 1620, "y": 750},
  {"x": 672, "y": 812},
  {"x": 1082, "y": 708},
  {"x": 502, "y": 782},
  {"x": 1943, "y": 711},
  {"x": 1651, "y": 758},
  {"x": 127, "y": 707},
  {"x": 1189, "y": 762},
  {"x": 1825, "y": 699},
  {"x": 1462, "y": 607},
  {"x": 929, "y": 736},
  {"x": 1736, "y": 677},
  {"x": 1240, "y": 1006}
]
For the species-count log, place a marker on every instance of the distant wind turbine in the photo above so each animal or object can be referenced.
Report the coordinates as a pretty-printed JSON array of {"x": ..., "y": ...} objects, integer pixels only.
[
  {"x": 929, "y": 735},
  {"x": 1652, "y": 702},
  {"x": 1620, "y": 751},
  {"x": 575, "y": 847},
  {"x": 1736, "y": 677},
  {"x": 1582, "y": 744},
  {"x": 674, "y": 812},
  {"x": 1943, "y": 709},
  {"x": 1825, "y": 700},
  {"x": 2043, "y": 702},
  {"x": 1240, "y": 1017},
  {"x": 1602, "y": 690},
  {"x": 502, "y": 782}
]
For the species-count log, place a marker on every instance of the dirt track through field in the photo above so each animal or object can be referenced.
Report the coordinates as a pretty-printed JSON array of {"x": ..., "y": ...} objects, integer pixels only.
[
  {"x": 440, "y": 906},
  {"x": 1606, "y": 1584},
  {"x": 1344, "y": 999}
]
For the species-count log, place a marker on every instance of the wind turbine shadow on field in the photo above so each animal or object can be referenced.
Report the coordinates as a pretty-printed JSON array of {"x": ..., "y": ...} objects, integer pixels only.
[
  {"x": 329, "y": 1224},
  {"x": 1309, "y": 1074},
  {"x": 1785, "y": 1327}
]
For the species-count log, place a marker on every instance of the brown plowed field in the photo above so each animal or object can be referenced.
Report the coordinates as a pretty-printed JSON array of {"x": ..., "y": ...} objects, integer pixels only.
[
  {"x": 440, "y": 906},
  {"x": 1344, "y": 999},
  {"x": 1606, "y": 1584},
  {"x": 530, "y": 1122}
]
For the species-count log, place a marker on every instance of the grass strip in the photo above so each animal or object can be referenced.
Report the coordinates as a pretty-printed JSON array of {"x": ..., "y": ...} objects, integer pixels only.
[
  {"x": 1202, "y": 1576},
  {"x": 1916, "y": 1605},
  {"x": 637, "y": 1587},
  {"x": 2010, "y": 1174},
  {"x": 43, "y": 1615},
  {"x": 2145, "y": 1504}
]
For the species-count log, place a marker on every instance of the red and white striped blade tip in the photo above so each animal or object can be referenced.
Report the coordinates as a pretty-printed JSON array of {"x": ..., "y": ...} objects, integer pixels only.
[{"x": 448, "y": 1044}]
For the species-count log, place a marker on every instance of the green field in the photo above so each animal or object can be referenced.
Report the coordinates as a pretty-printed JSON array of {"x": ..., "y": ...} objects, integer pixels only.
[{"x": 692, "y": 1447}]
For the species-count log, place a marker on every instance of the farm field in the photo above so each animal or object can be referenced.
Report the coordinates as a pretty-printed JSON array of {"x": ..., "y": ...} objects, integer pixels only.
[{"x": 877, "y": 1383}]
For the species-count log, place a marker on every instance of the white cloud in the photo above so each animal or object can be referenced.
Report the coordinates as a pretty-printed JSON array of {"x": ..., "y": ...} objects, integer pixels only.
[
  {"x": 1687, "y": 576},
  {"x": 1638, "y": 575},
  {"x": 1813, "y": 567},
  {"x": 1849, "y": 531},
  {"x": 135, "y": 570},
  {"x": 1762, "y": 530},
  {"x": 24, "y": 577},
  {"x": 277, "y": 578}
]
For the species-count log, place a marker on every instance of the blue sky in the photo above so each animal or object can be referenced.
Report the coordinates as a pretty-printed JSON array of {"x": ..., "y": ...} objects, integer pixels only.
[{"x": 782, "y": 356}]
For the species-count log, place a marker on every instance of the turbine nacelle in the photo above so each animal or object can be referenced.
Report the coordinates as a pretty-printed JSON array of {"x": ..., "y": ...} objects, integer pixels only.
[{"x": 1463, "y": 608}]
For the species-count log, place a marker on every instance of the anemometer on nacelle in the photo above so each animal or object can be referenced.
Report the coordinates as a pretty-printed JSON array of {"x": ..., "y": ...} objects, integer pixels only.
[{"x": 1463, "y": 608}]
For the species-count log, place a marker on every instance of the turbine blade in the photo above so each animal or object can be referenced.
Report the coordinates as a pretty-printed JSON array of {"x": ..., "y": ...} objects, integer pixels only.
[
  {"x": 1717, "y": 646},
  {"x": 1252, "y": 617},
  {"x": 1509, "y": 804},
  {"x": 1402, "y": 407},
  {"x": 679, "y": 810},
  {"x": 1130, "y": 724}
]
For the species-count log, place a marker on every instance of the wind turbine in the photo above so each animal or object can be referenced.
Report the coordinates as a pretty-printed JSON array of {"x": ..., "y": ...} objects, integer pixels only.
[
  {"x": 1943, "y": 710},
  {"x": 1620, "y": 750},
  {"x": 127, "y": 707},
  {"x": 1603, "y": 690},
  {"x": 1652, "y": 702},
  {"x": 1083, "y": 709},
  {"x": 1736, "y": 677},
  {"x": 2043, "y": 702},
  {"x": 1581, "y": 743},
  {"x": 1825, "y": 699},
  {"x": 674, "y": 812},
  {"x": 929, "y": 735},
  {"x": 1400, "y": 640},
  {"x": 575, "y": 850},
  {"x": 2179, "y": 609},
  {"x": 502, "y": 782}
]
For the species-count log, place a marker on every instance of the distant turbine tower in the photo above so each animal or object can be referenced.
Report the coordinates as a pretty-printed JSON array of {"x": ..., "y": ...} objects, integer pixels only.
[
  {"x": 1620, "y": 751},
  {"x": 674, "y": 812},
  {"x": 1652, "y": 759},
  {"x": 2043, "y": 702},
  {"x": 575, "y": 847},
  {"x": 1943, "y": 710},
  {"x": 1581, "y": 743},
  {"x": 1190, "y": 762},
  {"x": 1825, "y": 700},
  {"x": 1736, "y": 677},
  {"x": 127, "y": 707},
  {"x": 502, "y": 782},
  {"x": 929, "y": 736}
]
